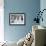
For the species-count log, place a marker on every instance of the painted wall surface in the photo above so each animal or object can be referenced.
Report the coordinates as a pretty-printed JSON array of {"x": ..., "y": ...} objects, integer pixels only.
[
  {"x": 29, "y": 7},
  {"x": 43, "y": 6}
]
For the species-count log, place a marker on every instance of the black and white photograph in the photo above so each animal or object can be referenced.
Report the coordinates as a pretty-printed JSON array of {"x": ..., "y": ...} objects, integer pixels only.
[{"x": 17, "y": 18}]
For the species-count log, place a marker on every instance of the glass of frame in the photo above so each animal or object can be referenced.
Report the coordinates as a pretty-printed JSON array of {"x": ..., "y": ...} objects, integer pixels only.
[{"x": 17, "y": 18}]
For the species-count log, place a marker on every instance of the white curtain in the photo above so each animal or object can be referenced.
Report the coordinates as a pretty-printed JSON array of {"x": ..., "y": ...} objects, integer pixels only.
[{"x": 1, "y": 20}]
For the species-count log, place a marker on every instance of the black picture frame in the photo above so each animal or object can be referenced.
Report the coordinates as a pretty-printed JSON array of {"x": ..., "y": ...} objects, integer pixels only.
[{"x": 17, "y": 19}]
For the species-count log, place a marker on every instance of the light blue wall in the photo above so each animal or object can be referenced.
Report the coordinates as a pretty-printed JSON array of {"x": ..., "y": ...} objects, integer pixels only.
[
  {"x": 29, "y": 7},
  {"x": 43, "y": 6}
]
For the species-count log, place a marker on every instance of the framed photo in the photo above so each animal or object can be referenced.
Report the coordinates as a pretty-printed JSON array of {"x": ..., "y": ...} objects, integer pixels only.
[{"x": 17, "y": 18}]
